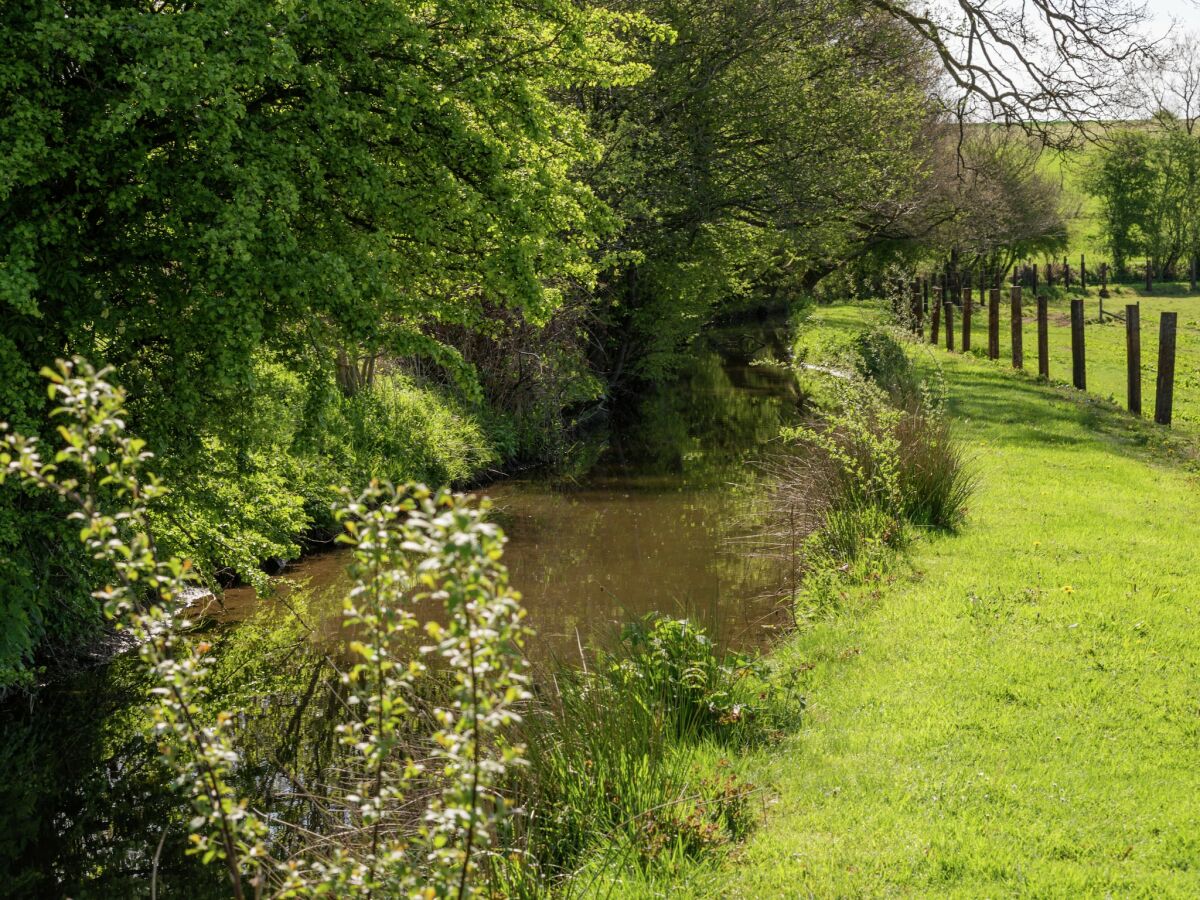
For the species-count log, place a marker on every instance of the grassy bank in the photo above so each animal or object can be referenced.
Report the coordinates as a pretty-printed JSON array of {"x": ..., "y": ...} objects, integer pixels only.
[{"x": 1018, "y": 713}]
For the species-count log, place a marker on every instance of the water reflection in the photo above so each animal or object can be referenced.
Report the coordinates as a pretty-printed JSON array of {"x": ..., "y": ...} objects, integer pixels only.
[{"x": 650, "y": 526}]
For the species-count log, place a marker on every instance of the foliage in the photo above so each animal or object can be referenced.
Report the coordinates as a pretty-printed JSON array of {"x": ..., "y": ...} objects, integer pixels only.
[
  {"x": 617, "y": 757},
  {"x": 858, "y": 447},
  {"x": 765, "y": 148},
  {"x": 674, "y": 664},
  {"x": 997, "y": 206},
  {"x": 1148, "y": 182},
  {"x": 879, "y": 459},
  {"x": 1124, "y": 180},
  {"x": 395, "y": 429},
  {"x": 881, "y": 358},
  {"x": 411, "y": 546},
  {"x": 192, "y": 192}
]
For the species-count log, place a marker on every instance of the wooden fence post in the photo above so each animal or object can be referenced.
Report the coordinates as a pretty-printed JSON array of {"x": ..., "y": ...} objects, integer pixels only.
[
  {"x": 1104, "y": 279},
  {"x": 1082, "y": 272},
  {"x": 966, "y": 306},
  {"x": 1043, "y": 329},
  {"x": 914, "y": 307},
  {"x": 994, "y": 324},
  {"x": 1066, "y": 273},
  {"x": 1078, "y": 356},
  {"x": 982, "y": 286},
  {"x": 1018, "y": 354},
  {"x": 925, "y": 293},
  {"x": 1192, "y": 287},
  {"x": 935, "y": 314},
  {"x": 1035, "y": 279},
  {"x": 1133, "y": 357},
  {"x": 949, "y": 321},
  {"x": 1149, "y": 278},
  {"x": 1165, "y": 386}
]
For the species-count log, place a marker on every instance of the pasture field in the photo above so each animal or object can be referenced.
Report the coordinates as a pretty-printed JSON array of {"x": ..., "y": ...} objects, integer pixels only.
[{"x": 1105, "y": 342}]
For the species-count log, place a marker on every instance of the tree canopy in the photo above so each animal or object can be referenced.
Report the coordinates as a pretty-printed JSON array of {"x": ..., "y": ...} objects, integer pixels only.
[{"x": 337, "y": 239}]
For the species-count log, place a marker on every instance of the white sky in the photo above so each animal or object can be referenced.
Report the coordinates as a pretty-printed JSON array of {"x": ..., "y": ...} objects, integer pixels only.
[{"x": 1184, "y": 13}]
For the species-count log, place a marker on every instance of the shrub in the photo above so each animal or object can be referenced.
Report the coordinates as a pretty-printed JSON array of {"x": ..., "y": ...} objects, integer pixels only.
[
  {"x": 879, "y": 357},
  {"x": 411, "y": 546},
  {"x": 882, "y": 459},
  {"x": 612, "y": 754},
  {"x": 394, "y": 430},
  {"x": 400, "y": 431},
  {"x": 673, "y": 665}
]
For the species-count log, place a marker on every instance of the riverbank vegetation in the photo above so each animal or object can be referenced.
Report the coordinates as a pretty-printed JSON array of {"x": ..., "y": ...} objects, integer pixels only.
[
  {"x": 489, "y": 220},
  {"x": 452, "y": 775},
  {"x": 333, "y": 250},
  {"x": 614, "y": 769},
  {"x": 1005, "y": 711}
]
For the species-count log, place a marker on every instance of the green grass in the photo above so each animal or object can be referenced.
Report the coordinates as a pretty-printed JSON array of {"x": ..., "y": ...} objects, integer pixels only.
[
  {"x": 1020, "y": 713},
  {"x": 1105, "y": 343}
]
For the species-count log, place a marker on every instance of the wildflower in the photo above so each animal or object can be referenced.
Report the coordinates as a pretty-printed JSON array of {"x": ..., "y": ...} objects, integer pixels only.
[{"x": 1067, "y": 589}]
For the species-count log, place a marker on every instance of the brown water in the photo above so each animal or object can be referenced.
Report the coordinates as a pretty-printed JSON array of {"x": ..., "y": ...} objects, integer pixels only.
[
  {"x": 657, "y": 523},
  {"x": 655, "y": 520}
]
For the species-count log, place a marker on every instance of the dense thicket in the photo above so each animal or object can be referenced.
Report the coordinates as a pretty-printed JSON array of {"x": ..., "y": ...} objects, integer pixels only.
[
  {"x": 236, "y": 202},
  {"x": 328, "y": 241},
  {"x": 772, "y": 143}
]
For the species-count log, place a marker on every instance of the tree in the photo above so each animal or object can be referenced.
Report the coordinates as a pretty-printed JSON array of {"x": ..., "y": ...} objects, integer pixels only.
[
  {"x": 1148, "y": 182},
  {"x": 1051, "y": 67},
  {"x": 200, "y": 194},
  {"x": 1124, "y": 180},
  {"x": 991, "y": 202},
  {"x": 1170, "y": 81},
  {"x": 770, "y": 144}
]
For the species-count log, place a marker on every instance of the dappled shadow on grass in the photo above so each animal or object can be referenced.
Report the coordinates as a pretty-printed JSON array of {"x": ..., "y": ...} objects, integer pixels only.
[{"x": 1017, "y": 409}]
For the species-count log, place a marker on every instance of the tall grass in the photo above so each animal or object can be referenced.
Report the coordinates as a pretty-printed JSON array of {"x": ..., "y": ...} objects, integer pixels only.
[
  {"x": 880, "y": 460},
  {"x": 616, "y": 774},
  {"x": 936, "y": 479}
]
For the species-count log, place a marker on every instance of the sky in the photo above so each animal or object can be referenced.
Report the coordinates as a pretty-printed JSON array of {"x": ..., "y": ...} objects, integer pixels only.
[{"x": 1186, "y": 14}]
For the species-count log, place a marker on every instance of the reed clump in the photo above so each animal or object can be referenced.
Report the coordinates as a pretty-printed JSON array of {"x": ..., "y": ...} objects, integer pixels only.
[
  {"x": 625, "y": 759},
  {"x": 876, "y": 464}
]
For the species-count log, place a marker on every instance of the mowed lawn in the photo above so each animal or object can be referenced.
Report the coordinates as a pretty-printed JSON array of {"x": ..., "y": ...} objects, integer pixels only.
[{"x": 1019, "y": 715}]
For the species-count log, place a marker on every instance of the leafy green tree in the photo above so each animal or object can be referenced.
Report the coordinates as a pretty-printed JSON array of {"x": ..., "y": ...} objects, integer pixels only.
[
  {"x": 770, "y": 144},
  {"x": 226, "y": 200},
  {"x": 1125, "y": 180}
]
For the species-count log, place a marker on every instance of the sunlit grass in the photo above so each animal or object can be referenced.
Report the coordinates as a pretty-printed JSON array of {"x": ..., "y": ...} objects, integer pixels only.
[
  {"x": 1020, "y": 715},
  {"x": 1105, "y": 343}
]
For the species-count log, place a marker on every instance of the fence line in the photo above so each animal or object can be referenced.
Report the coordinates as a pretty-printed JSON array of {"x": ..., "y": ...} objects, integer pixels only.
[{"x": 942, "y": 303}]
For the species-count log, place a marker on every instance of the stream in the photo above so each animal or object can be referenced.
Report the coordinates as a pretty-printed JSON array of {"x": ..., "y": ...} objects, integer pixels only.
[{"x": 652, "y": 514}]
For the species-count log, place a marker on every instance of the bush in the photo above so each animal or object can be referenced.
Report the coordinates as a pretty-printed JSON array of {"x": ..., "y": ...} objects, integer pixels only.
[
  {"x": 881, "y": 358},
  {"x": 411, "y": 547},
  {"x": 612, "y": 754},
  {"x": 394, "y": 430},
  {"x": 882, "y": 460}
]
